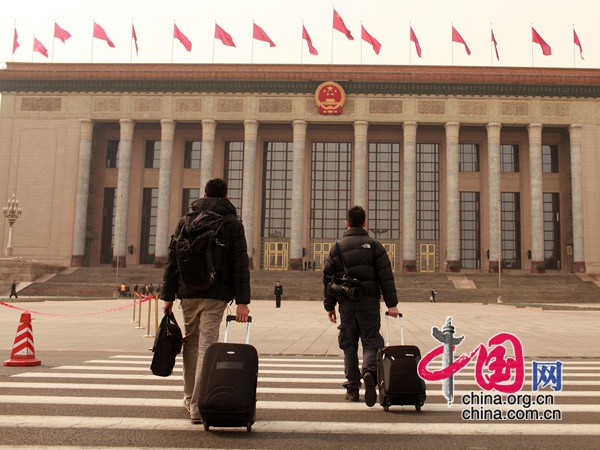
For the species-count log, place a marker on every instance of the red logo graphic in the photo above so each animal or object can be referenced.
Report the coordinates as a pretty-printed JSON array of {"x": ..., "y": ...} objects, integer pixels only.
[{"x": 330, "y": 98}]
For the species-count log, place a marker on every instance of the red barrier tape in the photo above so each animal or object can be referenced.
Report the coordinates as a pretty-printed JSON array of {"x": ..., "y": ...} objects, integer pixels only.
[{"x": 144, "y": 298}]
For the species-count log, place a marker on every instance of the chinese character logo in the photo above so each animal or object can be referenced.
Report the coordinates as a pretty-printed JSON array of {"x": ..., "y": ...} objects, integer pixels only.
[{"x": 546, "y": 374}]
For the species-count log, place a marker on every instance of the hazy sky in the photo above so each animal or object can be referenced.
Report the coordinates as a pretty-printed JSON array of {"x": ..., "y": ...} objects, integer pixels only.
[{"x": 386, "y": 20}]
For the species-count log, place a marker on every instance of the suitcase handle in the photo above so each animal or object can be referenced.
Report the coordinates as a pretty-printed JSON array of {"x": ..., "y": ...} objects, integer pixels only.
[
  {"x": 387, "y": 332},
  {"x": 231, "y": 318}
]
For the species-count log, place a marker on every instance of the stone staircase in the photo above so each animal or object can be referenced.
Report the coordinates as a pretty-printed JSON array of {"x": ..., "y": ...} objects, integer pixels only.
[{"x": 517, "y": 287}]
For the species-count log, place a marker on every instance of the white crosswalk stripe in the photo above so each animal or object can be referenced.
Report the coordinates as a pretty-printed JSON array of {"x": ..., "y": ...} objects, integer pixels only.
[{"x": 309, "y": 386}]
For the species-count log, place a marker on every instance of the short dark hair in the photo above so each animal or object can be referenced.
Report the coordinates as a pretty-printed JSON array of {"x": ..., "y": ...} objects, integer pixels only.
[
  {"x": 216, "y": 188},
  {"x": 356, "y": 216}
]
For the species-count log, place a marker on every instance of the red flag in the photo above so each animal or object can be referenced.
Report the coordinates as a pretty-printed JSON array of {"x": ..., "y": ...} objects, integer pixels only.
[
  {"x": 99, "y": 33},
  {"x": 224, "y": 36},
  {"x": 495, "y": 45},
  {"x": 182, "y": 38},
  {"x": 338, "y": 24},
  {"x": 15, "y": 42},
  {"x": 365, "y": 36},
  {"x": 306, "y": 37},
  {"x": 134, "y": 37},
  {"x": 456, "y": 37},
  {"x": 259, "y": 34},
  {"x": 577, "y": 43},
  {"x": 413, "y": 37},
  {"x": 61, "y": 33},
  {"x": 39, "y": 47},
  {"x": 535, "y": 37}
]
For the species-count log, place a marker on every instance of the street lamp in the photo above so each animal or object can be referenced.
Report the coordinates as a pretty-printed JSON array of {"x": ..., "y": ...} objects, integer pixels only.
[{"x": 11, "y": 213}]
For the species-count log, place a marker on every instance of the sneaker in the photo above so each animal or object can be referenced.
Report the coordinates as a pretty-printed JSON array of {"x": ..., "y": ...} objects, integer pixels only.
[
  {"x": 195, "y": 418},
  {"x": 352, "y": 395},
  {"x": 186, "y": 404},
  {"x": 370, "y": 393}
]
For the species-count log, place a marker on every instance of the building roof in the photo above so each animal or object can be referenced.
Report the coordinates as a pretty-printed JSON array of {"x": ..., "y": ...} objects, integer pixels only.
[{"x": 300, "y": 79}]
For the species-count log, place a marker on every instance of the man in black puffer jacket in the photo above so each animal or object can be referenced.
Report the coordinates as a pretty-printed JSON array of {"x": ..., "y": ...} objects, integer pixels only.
[
  {"x": 203, "y": 308},
  {"x": 366, "y": 260}
]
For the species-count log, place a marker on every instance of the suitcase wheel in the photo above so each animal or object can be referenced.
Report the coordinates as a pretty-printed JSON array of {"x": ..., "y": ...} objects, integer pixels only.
[
  {"x": 386, "y": 404},
  {"x": 249, "y": 427},
  {"x": 206, "y": 426}
]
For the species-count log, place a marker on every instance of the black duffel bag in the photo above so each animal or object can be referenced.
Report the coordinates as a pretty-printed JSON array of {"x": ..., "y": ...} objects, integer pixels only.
[{"x": 167, "y": 345}]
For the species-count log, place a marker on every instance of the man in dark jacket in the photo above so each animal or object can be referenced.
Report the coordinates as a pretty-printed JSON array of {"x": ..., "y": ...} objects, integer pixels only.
[
  {"x": 203, "y": 308},
  {"x": 366, "y": 260}
]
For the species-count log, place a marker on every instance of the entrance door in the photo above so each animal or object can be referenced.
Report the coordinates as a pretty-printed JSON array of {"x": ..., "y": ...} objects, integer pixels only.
[
  {"x": 391, "y": 251},
  {"x": 427, "y": 257},
  {"x": 275, "y": 255},
  {"x": 320, "y": 253}
]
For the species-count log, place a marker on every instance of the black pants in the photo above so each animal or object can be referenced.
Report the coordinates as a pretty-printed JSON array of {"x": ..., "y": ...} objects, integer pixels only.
[
  {"x": 277, "y": 301},
  {"x": 354, "y": 325}
]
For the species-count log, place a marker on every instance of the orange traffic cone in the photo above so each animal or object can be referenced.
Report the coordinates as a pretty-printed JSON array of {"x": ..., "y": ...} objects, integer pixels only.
[{"x": 23, "y": 353}]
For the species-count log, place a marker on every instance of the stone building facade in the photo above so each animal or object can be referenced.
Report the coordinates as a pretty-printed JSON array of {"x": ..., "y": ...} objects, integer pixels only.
[{"x": 458, "y": 167}]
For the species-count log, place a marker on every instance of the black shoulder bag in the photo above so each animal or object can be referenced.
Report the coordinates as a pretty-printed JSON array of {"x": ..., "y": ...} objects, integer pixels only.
[
  {"x": 167, "y": 345},
  {"x": 346, "y": 287}
]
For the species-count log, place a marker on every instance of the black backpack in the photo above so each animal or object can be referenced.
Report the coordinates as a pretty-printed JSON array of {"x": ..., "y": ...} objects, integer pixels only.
[{"x": 200, "y": 249}]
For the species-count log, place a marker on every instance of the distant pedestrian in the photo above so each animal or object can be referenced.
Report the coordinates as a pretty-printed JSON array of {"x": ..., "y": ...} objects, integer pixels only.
[
  {"x": 432, "y": 296},
  {"x": 13, "y": 290},
  {"x": 278, "y": 292}
]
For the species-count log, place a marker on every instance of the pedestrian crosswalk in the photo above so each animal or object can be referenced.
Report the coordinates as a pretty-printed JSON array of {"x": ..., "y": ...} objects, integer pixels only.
[{"x": 117, "y": 394}]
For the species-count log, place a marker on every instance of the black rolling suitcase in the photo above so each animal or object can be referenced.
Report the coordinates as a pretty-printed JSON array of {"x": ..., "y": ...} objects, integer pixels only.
[
  {"x": 397, "y": 377},
  {"x": 228, "y": 384}
]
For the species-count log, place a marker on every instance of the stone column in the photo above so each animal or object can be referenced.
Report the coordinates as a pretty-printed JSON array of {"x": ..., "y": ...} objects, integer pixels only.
[
  {"x": 452, "y": 196},
  {"x": 167, "y": 130},
  {"x": 123, "y": 182},
  {"x": 250, "y": 136},
  {"x": 209, "y": 127},
  {"x": 86, "y": 130},
  {"x": 577, "y": 200},
  {"x": 537, "y": 196},
  {"x": 409, "y": 197},
  {"x": 493, "y": 145},
  {"x": 361, "y": 165},
  {"x": 297, "y": 229}
]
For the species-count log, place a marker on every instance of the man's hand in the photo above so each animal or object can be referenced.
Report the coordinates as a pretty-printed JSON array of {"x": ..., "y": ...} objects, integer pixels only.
[
  {"x": 241, "y": 313},
  {"x": 332, "y": 316},
  {"x": 167, "y": 307},
  {"x": 393, "y": 311}
]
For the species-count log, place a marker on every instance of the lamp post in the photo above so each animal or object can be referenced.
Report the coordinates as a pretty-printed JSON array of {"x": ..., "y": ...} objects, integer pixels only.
[{"x": 11, "y": 213}]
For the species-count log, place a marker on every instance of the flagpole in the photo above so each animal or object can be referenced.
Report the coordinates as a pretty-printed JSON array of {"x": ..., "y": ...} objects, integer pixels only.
[
  {"x": 214, "y": 38},
  {"x": 452, "y": 47},
  {"x": 301, "y": 43},
  {"x": 92, "y": 58},
  {"x": 491, "y": 44},
  {"x": 409, "y": 46},
  {"x": 331, "y": 55},
  {"x": 172, "y": 41},
  {"x": 573, "y": 46},
  {"x": 532, "y": 64},
  {"x": 53, "y": 39},
  {"x": 361, "y": 42},
  {"x": 252, "y": 46},
  {"x": 32, "y": 45},
  {"x": 12, "y": 55}
]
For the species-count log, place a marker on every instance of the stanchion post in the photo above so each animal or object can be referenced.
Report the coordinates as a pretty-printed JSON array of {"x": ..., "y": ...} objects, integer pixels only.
[
  {"x": 156, "y": 315},
  {"x": 139, "y": 324},
  {"x": 135, "y": 295},
  {"x": 150, "y": 298}
]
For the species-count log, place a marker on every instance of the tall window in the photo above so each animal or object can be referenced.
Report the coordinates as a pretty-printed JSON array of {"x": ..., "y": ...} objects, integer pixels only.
[
  {"x": 148, "y": 228},
  {"x": 152, "y": 155},
  {"x": 509, "y": 158},
  {"x": 470, "y": 234},
  {"x": 469, "y": 158},
  {"x": 108, "y": 225},
  {"x": 234, "y": 166},
  {"x": 112, "y": 154},
  {"x": 191, "y": 154},
  {"x": 188, "y": 196},
  {"x": 511, "y": 230},
  {"x": 552, "y": 230},
  {"x": 384, "y": 190},
  {"x": 277, "y": 190},
  {"x": 549, "y": 158},
  {"x": 330, "y": 188},
  {"x": 428, "y": 204}
]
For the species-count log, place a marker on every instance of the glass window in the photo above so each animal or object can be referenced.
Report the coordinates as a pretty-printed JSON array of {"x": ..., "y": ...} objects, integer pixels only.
[
  {"x": 549, "y": 158},
  {"x": 470, "y": 235},
  {"x": 384, "y": 190},
  {"x": 188, "y": 196},
  {"x": 552, "y": 230},
  {"x": 234, "y": 166},
  {"x": 148, "y": 228},
  {"x": 108, "y": 225},
  {"x": 511, "y": 230},
  {"x": 428, "y": 192},
  {"x": 152, "y": 155},
  {"x": 469, "y": 158},
  {"x": 509, "y": 158},
  {"x": 112, "y": 154},
  {"x": 330, "y": 188},
  {"x": 277, "y": 189},
  {"x": 191, "y": 154}
]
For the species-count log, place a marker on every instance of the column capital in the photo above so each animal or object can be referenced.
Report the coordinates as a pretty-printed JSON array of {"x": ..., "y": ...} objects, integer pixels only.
[
  {"x": 452, "y": 129},
  {"x": 86, "y": 128},
  {"x": 410, "y": 129},
  {"x": 250, "y": 128},
  {"x": 127, "y": 126},
  {"x": 299, "y": 128},
  {"x": 535, "y": 133},
  {"x": 360, "y": 129},
  {"x": 493, "y": 131},
  {"x": 575, "y": 133},
  {"x": 167, "y": 128},
  {"x": 209, "y": 127}
]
